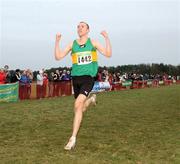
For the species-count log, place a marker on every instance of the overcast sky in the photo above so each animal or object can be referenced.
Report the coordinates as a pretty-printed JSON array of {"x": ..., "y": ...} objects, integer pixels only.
[{"x": 141, "y": 31}]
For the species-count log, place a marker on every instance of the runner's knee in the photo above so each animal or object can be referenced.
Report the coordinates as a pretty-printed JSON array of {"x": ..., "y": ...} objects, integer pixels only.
[{"x": 78, "y": 105}]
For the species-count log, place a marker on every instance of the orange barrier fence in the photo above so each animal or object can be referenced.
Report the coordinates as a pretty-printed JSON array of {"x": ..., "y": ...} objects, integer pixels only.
[
  {"x": 64, "y": 88},
  {"x": 177, "y": 81},
  {"x": 52, "y": 89},
  {"x": 143, "y": 84}
]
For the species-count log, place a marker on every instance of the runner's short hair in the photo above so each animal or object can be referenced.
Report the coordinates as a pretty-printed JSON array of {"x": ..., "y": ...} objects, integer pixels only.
[{"x": 85, "y": 23}]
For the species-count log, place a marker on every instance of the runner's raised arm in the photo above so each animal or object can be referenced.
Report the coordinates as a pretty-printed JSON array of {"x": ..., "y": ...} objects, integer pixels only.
[{"x": 59, "y": 53}]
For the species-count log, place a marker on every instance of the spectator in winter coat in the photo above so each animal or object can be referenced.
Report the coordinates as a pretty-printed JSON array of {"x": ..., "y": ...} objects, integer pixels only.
[{"x": 2, "y": 76}]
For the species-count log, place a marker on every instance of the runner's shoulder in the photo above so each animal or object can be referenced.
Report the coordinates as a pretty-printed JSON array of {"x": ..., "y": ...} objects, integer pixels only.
[
  {"x": 70, "y": 45},
  {"x": 94, "y": 42}
]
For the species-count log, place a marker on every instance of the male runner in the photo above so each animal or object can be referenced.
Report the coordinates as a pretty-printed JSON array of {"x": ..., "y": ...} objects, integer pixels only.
[{"x": 84, "y": 69}]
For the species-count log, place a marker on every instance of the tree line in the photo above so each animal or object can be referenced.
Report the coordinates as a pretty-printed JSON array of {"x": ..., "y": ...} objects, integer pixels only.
[{"x": 150, "y": 69}]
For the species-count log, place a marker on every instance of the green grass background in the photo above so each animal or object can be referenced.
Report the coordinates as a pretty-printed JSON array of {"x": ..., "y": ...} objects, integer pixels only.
[{"x": 132, "y": 126}]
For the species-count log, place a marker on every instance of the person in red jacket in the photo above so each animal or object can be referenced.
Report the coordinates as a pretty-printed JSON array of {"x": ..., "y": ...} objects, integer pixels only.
[{"x": 2, "y": 76}]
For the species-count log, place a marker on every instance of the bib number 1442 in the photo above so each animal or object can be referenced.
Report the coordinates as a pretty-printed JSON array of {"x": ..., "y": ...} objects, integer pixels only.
[{"x": 84, "y": 59}]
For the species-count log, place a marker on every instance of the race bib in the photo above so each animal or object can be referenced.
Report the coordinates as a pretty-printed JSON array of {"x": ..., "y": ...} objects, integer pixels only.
[{"x": 84, "y": 58}]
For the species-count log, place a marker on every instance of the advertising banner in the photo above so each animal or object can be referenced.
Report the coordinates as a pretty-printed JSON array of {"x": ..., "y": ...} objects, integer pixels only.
[
  {"x": 9, "y": 92},
  {"x": 101, "y": 86}
]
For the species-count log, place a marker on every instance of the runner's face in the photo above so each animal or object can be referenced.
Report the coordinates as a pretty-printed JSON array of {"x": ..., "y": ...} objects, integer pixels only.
[{"x": 82, "y": 29}]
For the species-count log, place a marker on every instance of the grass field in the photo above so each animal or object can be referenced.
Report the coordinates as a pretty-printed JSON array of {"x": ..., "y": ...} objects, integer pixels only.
[{"x": 134, "y": 126}]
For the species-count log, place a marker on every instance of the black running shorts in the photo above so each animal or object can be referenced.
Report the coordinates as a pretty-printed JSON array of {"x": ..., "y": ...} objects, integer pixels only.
[{"x": 82, "y": 85}]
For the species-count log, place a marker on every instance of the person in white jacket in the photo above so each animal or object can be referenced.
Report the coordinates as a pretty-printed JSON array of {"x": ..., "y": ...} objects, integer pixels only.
[{"x": 39, "y": 86}]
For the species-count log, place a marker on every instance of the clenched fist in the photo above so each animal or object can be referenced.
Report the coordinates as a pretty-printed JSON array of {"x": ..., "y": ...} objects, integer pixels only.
[
  {"x": 58, "y": 37},
  {"x": 104, "y": 34}
]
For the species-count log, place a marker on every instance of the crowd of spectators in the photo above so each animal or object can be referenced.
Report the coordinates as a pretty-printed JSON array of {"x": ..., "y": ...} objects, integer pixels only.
[
  {"x": 55, "y": 83},
  {"x": 42, "y": 77},
  {"x": 27, "y": 76},
  {"x": 121, "y": 77},
  {"x": 58, "y": 82}
]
